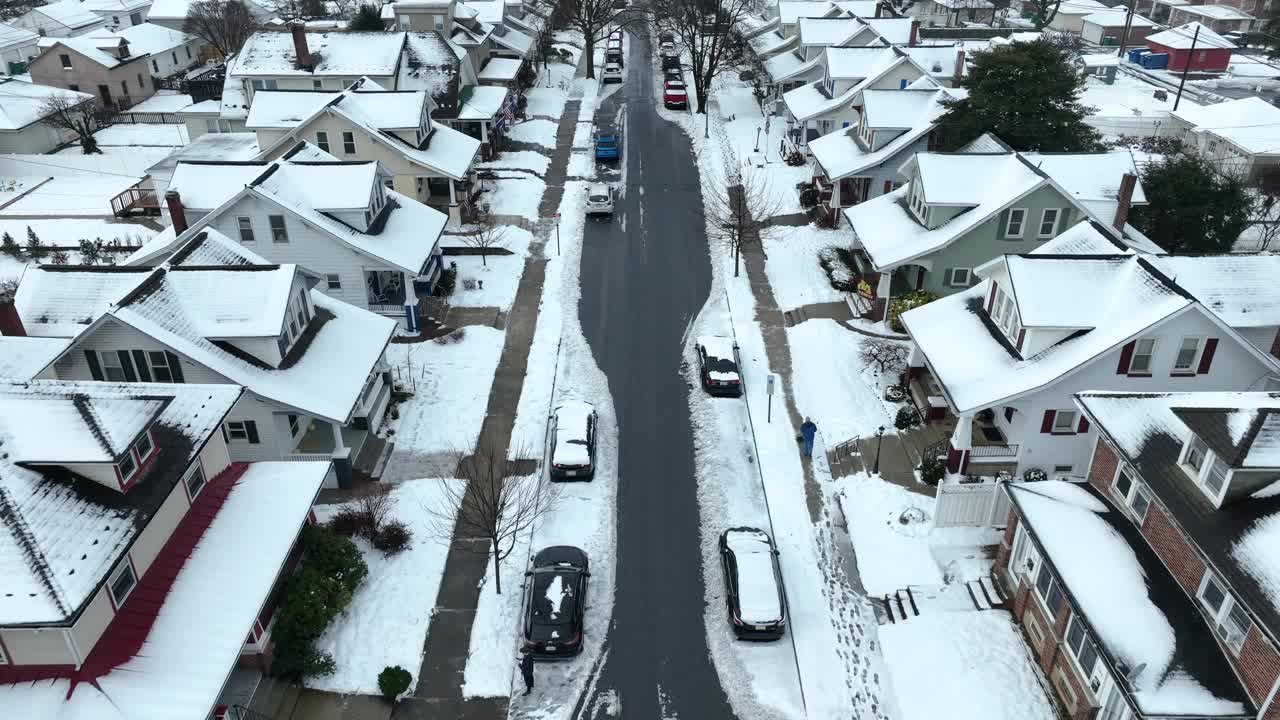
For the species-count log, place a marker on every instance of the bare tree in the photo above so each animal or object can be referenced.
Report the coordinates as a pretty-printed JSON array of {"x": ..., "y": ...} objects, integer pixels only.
[
  {"x": 704, "y": 31},
  {"x": 888, "y": 356},
  {"x": 69, "y": 112},
  {"x": 594, "y": 19},
  {"x": 224, "y": 24},
  {"x": 1264, "y": 221},
  {"x": 487, "y": 236},
  {"x": 499, "y": 503},
  {"x": 739, "y": 207}
]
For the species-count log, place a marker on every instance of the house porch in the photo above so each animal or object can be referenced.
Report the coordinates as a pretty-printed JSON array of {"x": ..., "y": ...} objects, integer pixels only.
[
  {"x": 875, "y": 288},
  {"x": 981, "y": 447}
]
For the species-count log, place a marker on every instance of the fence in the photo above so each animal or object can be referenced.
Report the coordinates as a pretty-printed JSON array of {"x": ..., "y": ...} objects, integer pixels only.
[{"x": 971, "y": 505}]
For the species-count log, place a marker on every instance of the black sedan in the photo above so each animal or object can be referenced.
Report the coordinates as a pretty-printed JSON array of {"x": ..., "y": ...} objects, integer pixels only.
[
  {"x": 718, "y": 366},
  {"x": 555, "y": 593},
  {"x": 753, "y": 584}
]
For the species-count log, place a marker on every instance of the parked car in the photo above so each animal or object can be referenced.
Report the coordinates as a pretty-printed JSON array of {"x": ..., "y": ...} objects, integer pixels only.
[
  {"x": 753, "y": 584},
  {"x": 674, "y": 96},
  {"x": 665, "y": 37},
  {"x": 718, "y": 366},
  {"x": 674, "y": 73},
  {"x": 573, "y": 439},
  {"x": 669, "y": 50},
  {"x": 612, "y": 73},
  {"x": 555, "y": 593},
  {"x": 613, "y": 55},
  {"x": 670, "y": 63},
  {"x": 599, "y": 199},
  {"x": 608, "y": 143}
]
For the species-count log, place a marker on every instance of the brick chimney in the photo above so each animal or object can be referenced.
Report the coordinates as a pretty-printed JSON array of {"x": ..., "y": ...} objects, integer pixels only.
[
  {"x": 958, "y": 76},
  {"x": 300, "y": 48},
  {"x": 1123, "y": 199},
  {"x": 879, "y": 9},
  {"x": 10, "y": 322},
  {"x": 915, "y": 33},
  {"x": 177, "y": 213}
]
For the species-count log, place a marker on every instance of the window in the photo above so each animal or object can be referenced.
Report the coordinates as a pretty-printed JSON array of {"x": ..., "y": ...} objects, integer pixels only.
[
  {"x": 1132, "y": 492},
  {"x": 917, "y": 201},
  {"x": 961, "y": 277},
  {"x": 188, "y": 49},
  {"x": 264, "y": 84},
  {"x": 1063, "y": 469},
  {"x": 154, "y": 67},
  {"x": 368, "y": 218},
  {"x": 404, "y": 22},
  {"x": 1017, "y": 219},
  {"x": 126, "y": 467},
  {"x": 1188, "y": 355},
  {"x": 1229, "y": 620},
  {"x": 160, "y": 369},
  {"x": 278, "y": 232},
  {"x": 246, "y": 430},
  {"x": 111, "y": 367},
  {"x": 1123, "y": 484},
  {"x": 66, "y": 61},
  {"x": 1048, "y": 590},
  {"x": 1196, "y": 453},
  {"x": 293, "y": 425},
  {"x": 124, "y": 87},
  {"x": 194, "y": 480},
  {"x": 317, "y": 84},
  {"x": 174, "y": 55},
  {"x": 1064, "y": 421},
  {"x": 322, "y": 140},
  {"x": 122, "y": 582},
  {"x": 349, "y": 143},
  {"x": 115, "y": 19},
  {"x": 73, "y": 87},
  {"x": 1049, "y": 222},
  {"x": 1140, "y": 363},
  {"x": 246, "y": 229},
  {"x": 143, "y": 447},
  {"x": 1081, "y": 645},
  {"x": 1216, "y": 479},
  {"x": 334, "y": 281},
  {"x": 439, "y": 25},
  {"x": 136, "y": 19}
]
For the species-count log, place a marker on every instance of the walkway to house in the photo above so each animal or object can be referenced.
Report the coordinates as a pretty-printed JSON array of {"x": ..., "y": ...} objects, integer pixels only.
[{"x": 899, "y": 454}]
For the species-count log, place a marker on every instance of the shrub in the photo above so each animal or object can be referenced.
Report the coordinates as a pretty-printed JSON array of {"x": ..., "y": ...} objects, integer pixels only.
[
  {"x": 909, "y": 301},
  {"x": 1034, "y": 475},
  {"x": 906, "y": 418},
  {"x": 9, "y": 246},
  {"x": 808, "y": 197},
  {"x": 347, "y": 522},
  {"x": 795, "y": 159},
  {"x": 393, "y": 681},
  {"x": 895, "y": 393},
  {"x": 331, "y": 570},
  {"x": 835, "y": 263},
  {"x": 393, "y": 538},
  {"x": 747, "y": 75},
  {"x": 447, "y": 282},
  {"x": 333, "y": 556},
  {"x": 932, "y": 470},
  {"x": 887, "y": 356}
]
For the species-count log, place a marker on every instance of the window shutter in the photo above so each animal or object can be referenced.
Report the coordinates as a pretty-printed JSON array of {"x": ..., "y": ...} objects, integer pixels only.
[
  {"x": 140, "y": 362},
  {"x": 888, "y": 186},
  {"x": 1022, "y": 333},
  {"x": 127, "y": 363},
  {"x": 1126, "y": 357},
  {"x": 174, "y": 367},
  {"x": 1084, "y": 424},
  {"x": 95, "y": 369},
  {"x": 991, "y": 297},
  {"x": 1046, "y": 425},
  {"x": 251, "y": 428},
  {"x": 946, "y": 277},
  {"x": 1206, "y": 360}
]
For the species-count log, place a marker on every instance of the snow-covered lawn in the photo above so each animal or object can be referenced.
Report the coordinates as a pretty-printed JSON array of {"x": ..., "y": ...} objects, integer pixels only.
[
  {"x": 450, "y": 383},
  {"x": 524, "y": 159},
  {"x": 748, "y": 132},
  {"x": 499, "y": 274},
  {"x": 538, "y": 132},
  {"x": 794, "y": 273},
  {"x": 70, "y": 196},
  {"x": 514, "y": 194},
  {"x": 963, "y": 665},
  {"x": 386, "y": 623},
  {"x": 844, "y": 397}
]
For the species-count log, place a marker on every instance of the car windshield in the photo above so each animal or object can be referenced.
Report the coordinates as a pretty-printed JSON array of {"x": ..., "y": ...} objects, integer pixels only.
[
  {"x": 553, "y": 598},
  {"x": 599, "y": 198},
  {"x": 715, "y": 364}
]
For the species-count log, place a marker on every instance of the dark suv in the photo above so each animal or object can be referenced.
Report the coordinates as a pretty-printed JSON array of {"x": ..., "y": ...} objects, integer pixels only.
[{"x": 555, "y": 593}]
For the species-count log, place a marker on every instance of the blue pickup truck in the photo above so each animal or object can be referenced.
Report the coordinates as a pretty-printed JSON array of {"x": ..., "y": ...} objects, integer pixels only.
[{"x": 608, "y": 144}]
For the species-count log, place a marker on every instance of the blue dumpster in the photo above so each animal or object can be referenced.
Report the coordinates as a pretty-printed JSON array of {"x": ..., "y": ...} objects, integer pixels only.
[
  {"x": 1155, "y": 61},
  {"x": 1135, "y": 54}
]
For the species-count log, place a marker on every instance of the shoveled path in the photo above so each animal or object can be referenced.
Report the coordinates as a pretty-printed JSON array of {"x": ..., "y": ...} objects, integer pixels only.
[{"x": 438, "y": 695}]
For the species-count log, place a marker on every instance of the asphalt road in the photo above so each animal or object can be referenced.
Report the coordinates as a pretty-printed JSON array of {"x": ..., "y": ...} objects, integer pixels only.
[{"x": 641, "y": 287}]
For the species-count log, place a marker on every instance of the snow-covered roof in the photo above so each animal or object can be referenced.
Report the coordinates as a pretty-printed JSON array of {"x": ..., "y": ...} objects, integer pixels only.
[
  {"x": 500, "y": 69},
  {"x": 820, "y": 31},
  {"x": 1081, "y": 7},
  {"x": 1251, "y": 123},
  {"x": 812, "y": 100},
  {"x": 1216, "y": 12},
  {"x": 482, "y": 102},
  {"x": 163, "y": 103},
  {"x": 1181, "y": 37},
  {"x": 1141, "y": 620},
  {"x": 486, "y": 11},
  {"x": 1097, "y": 60},
  {"x": 859, "y": 8},
  {"x": 145, "y": 38},
  {"x": 790, "y": 66},
  {"x": 965, "y": 4},
  {"x": 753, "y": 24},
  {"x": 841, "y": 154},
  {"x": 193, "y": 644},
  {"x": 513, "y": 39},
  {"x": 430, "y": 64},
  {"x": 1091, "y": 179},
  {"x": 938, "y": 60},
  {"x": 857, "y": 63},
  {"x": 11, "y": 35},
  {"x": 286, "y": 108},
  {"x": 790, "y": 11},
  {"x": 21, "y": 358},
  {"x": 70, "y": 13},
  {"x": 1116, "y": 18},
  {"x": 1087, "y": 237},
  {"x": 1240, "y": 289},
  {"x": 72, "y": 533},
  {"x": 109, "y": 6},
  {"x": 23, "y": 102},
  {"x": 895, "y": 31},
  {"x": 205, "y": 185},
  {"x": 344, "y": 54},
  {"x": 890, "y": 234}
]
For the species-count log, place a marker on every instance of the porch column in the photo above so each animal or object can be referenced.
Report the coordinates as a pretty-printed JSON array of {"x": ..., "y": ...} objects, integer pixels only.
[
  {"x": 882, "y": 295},
  {"x": 915, "y": 363},
  {"x": 410, "y": 302},
  {"x": 453, "y": 193},
  {"x": 961, "y": 444},
  {"x": 341, "y": 457}
]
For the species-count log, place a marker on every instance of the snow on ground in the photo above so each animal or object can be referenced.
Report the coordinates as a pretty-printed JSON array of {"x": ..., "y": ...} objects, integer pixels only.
[
  {"x": 537, "y": 132},
  {"x": 499, "y": 274},
  {"x": 742, "y": 119},
  {"x": 147, "y": 134},
  {"x": 844, "y": 397},
  {"x": 965, "y": 665},
  {"x": 514, "y": 194},
  {"x": 450, "y": 383},
  {"x": 518, "y": 159},
  {"x": 386, "y": 623},
  {"x": 68, "y": 232},
  {"x": 891, "y": 554},
  {"x": 794, "y": 273}
]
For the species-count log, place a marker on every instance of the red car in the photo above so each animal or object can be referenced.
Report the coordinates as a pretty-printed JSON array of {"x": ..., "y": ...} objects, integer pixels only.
[{"x": 674, "y": 95}]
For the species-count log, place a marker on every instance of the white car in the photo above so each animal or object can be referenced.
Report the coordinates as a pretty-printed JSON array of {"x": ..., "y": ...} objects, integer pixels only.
[
  {"x": 599, "y": 199},
  {"x": 612, "y": 73},
  {"x": 669, "y": 50},
  {"x": 573, "y": 442}
]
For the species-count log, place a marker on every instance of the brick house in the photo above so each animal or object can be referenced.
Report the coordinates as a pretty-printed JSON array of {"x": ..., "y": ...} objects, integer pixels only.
[{"x": 1180, "y": 488}]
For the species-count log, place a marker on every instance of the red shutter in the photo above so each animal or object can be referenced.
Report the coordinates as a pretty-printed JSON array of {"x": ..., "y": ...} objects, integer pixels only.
[
  {"x": 1046, "y": 425},
  {"x": 1022, "y": 333},
  {"x": 1084, "y": 424},
  {"x": 991, "y": 297},
  {"x": 1206, "y": 359},
  {"x": 1126, "y": 356},
  {"x": 888, "y": 186}
]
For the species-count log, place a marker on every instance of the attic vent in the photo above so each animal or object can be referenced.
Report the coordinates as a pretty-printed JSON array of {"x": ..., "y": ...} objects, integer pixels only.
[{"x": 937, "y": 67}]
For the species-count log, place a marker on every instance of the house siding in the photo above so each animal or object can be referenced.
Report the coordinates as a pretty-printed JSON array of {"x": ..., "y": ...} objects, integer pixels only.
[
  {"x": 38, "y": 647},
  {"x": 272, "y": 444},
  {"x": 94, "y": 620},
  {"x": 34, "y": 138},
  {"x": 111, "y": 336},
  {"x": 214, "y": 458},
  {"x": 328, "y": 82},
  {"x": 35, "y": 21},
  {"x": 159, "y": 528},
  {"x": 88, "y": 74}
]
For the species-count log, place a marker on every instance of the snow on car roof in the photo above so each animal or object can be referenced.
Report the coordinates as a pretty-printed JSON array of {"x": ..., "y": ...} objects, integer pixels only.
[
  {"x": 758, "y": 597},
  {"x": 571, "y": 433},
  {"x": 717, "y": 346}
]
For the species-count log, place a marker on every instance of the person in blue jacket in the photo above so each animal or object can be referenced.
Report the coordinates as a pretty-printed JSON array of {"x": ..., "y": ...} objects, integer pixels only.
[{"x": 808, "y": 431}]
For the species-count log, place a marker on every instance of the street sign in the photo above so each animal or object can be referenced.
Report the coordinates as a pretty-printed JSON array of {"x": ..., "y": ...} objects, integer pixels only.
[{"x": 769, "y": 383}]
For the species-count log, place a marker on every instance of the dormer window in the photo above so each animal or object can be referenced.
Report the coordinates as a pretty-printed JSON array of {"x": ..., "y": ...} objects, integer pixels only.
[
  {"x": 1205, "y": 468},
  {"x": 917, "y": 201},
  {"x": 865, "y": 132},
  {"x": 133, "y": 459},
  {"x": 1005, "y": 314}
]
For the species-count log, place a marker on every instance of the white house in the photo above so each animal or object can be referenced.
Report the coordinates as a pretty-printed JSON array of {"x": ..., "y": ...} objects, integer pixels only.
[
  {"x": 61, "y": 19},
  {"x": 835, "y": 101},
  {"x": 1070, "y": 16},
  {"x": 173, "y": 13},
  {"x": 120, "y": 14},
  {"x": 1005, "y": 357},
  {"x": 17, "y": 47},
  {"x": 22, "y": 129},
  {"x": 1241, "y": 135},
  {"x": 373, "y": 247},
  {"x": 214, "y": 313},
  {"x": 123, "y": 515}
]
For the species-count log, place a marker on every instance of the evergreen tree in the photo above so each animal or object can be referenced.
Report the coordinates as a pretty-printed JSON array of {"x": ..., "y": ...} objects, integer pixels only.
[
  {"x": 90, "y": 252},
  {"x": 1028, "y": 95},
  {"x": 1192, "y": 207},
  {"x": 367, "y": 19},
  {"x": 36, "y": 250},
  {"x": 9, "y": 246},
  {"x": 61, "y": 257}
]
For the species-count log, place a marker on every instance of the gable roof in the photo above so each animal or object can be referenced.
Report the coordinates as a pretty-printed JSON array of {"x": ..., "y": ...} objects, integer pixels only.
[
  {"x": 1081, "y": 7},
  {"x": 145, "y": 38},
  {"x": 813, "y": 99},
  {"x": 69, "y": 13},
  {"x": 22, "y": 103},
  {"x": 23, "y": 357},
  {"x": 11, "y": 35},
  {"x": 1117, "y": 18},
  {"x": 791, "y": 11},
  {"x": 841, "y": 155},
  {"x": 1252, "y": 123},
  {"x": 1181, "y": 37},
  {"x": 819, "y": 31},
  {"x": 1241, "y": 289},
  {"x": 1091, "y": 179},
  {"x": 344, "y": 54}
]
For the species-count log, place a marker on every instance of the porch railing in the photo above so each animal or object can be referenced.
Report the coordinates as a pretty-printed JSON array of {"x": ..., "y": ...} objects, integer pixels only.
[
  {"x": 993, "y": 451},
  {"x": 308, "y": 457}
]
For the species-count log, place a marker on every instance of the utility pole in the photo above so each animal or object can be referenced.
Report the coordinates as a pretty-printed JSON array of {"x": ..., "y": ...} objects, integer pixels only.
[
  {"x": 1190, "y": 54},
  {"x": 1128, "y": 23}
]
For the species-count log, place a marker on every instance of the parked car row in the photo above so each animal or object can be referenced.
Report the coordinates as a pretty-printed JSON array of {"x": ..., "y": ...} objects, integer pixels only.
[{"x": 613, "y": 57}]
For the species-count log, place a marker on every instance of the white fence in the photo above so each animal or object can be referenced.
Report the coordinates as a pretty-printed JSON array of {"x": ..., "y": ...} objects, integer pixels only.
[{"x": 971, "y": 505}]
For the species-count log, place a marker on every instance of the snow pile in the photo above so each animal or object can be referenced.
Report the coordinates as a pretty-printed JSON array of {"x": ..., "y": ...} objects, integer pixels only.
[
  {"x": 386, "y": 623},
  {"x": 968, "y": 666},
  {"x": 537, "y": 132}
]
